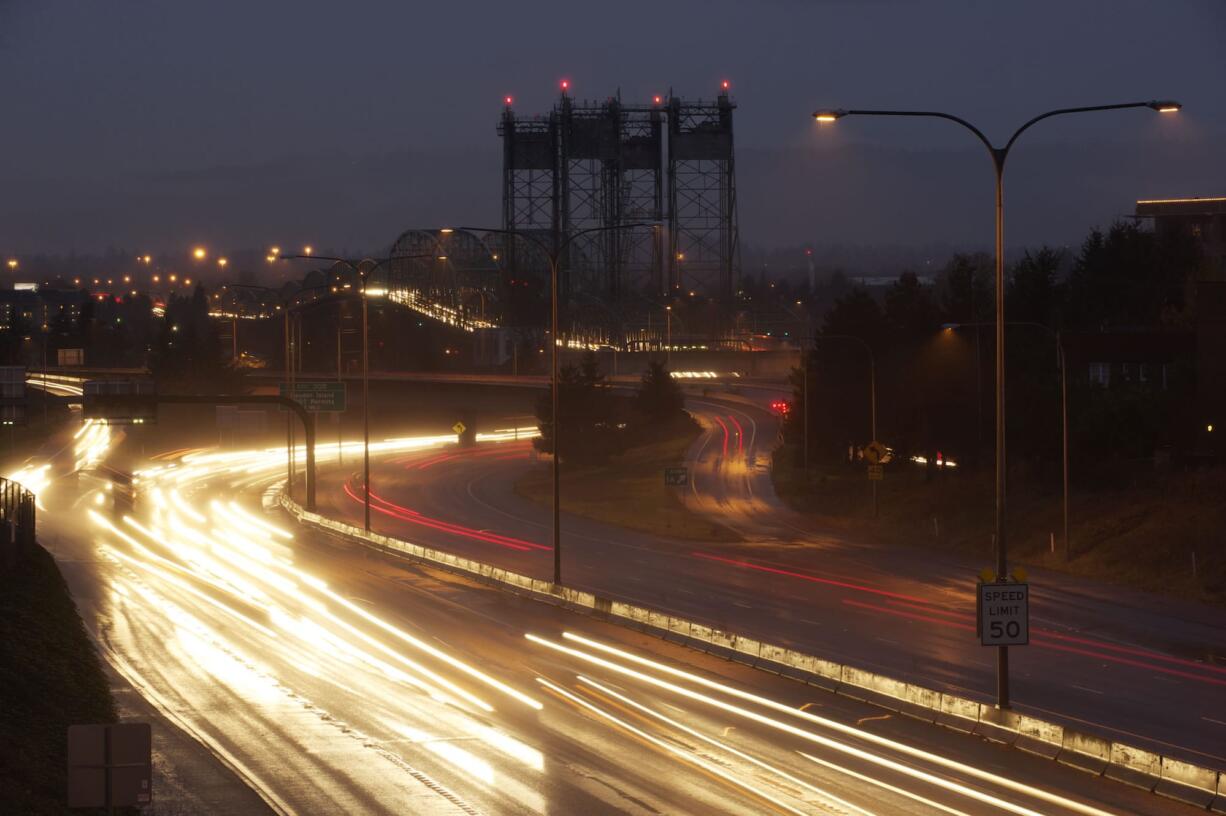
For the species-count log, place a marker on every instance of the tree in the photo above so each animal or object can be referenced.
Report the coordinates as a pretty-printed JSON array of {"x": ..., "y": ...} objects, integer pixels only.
[
  {"x": 659, "y": 398},
  {"x": 857, "y": 314},
  {"x": 187, "y": 352},
  {"x": 1129, "y": 277},
  {"x": 909, "y": 311},
  {"x": 1032, "y": 293},
  {"x": 590, "y": 431},
  {"x": 966, "y": 288}
]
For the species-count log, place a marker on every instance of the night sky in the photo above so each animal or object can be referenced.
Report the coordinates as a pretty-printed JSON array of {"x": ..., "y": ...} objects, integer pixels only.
[{"x": 156, "y": 125}]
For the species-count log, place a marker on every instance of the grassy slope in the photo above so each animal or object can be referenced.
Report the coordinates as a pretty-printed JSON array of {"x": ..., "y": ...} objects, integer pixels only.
[
  {"x": 1140, "y": 536},
  {"x": 51, "y": 677},
  {"x": 629, "y": 491}
]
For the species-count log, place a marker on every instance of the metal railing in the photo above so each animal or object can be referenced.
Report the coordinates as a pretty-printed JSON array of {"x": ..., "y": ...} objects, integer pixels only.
[{"x": 16, "y": 522}]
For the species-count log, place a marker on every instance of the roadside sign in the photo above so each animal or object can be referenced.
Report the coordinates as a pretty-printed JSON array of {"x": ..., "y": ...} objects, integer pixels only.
[
  {"x": 676, "y": 477},
  {"x": 875, "y": 453},
  {"x": 1003, "y": 614},
  {"x": 321, "y": 396},
  {"x": 110, "y": 762},
  {"x": 459, "y": 428},
  {"x": 875, "y": 473}
]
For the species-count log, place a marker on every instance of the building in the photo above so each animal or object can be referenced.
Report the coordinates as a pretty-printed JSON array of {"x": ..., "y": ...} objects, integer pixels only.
[
  {"x": 34, "y": 309},
  {"x": 1202, "y": 219}
]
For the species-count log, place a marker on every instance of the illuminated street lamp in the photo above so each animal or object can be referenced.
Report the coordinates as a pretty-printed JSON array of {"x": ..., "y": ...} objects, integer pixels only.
[
  {"x": 199, "y": 253},
  {"x": 553, "y": 253},
  {"x": 222, "y": 262},
  {"x": 12, "y": 263},
  {"x": 999, "y": 155}
]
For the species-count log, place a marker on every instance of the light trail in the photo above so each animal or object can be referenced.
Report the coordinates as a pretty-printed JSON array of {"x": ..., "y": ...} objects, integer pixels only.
[
  {"x": 782, "y": 774},
  {"x": 412, "y": 516},
  {"x": 668, "y": 747},
  {"x": 868, "y": 736}
]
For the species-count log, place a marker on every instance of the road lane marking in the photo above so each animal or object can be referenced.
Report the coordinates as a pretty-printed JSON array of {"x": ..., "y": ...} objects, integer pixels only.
[
  {"x": 863, "y": 720},
  {"x": 1083, "y": 688},
  {"x": 1215, "y": 722}
]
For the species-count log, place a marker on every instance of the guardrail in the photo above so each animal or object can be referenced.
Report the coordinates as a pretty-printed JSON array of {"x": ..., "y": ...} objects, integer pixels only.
[
  {"x": 1160, "y": 774},
  {"x": 17, "y": 510}
]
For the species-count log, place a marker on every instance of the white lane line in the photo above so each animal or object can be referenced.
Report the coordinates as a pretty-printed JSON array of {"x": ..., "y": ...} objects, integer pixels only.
[
  {"x": 742, "y": 604},
  {"x": 1215, "y": 722},
  {"x": 1083, "y": 688}
]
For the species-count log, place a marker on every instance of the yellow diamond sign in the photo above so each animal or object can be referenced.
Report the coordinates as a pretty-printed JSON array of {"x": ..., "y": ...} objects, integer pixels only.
[{"x": 459, "y": 428}]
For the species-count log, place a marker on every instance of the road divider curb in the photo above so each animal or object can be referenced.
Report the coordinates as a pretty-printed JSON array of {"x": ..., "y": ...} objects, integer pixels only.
[{"x": 1121, "y": 762}]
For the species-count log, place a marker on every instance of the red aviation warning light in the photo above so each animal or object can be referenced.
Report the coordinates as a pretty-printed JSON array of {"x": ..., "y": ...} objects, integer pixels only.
[
  {"x": 725, "y": 85},
  {"x": 508, "y": 100},
  {"x": 657, "y": 99},
  {"x": 565, "y": 85}
]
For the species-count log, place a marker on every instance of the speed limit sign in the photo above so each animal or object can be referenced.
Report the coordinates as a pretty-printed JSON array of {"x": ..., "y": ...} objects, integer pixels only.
[{"x": 1004, "y": 614}]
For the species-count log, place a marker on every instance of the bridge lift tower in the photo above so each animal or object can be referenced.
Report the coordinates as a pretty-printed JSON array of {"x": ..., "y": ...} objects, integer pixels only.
[{"x": 589, "y": 164}]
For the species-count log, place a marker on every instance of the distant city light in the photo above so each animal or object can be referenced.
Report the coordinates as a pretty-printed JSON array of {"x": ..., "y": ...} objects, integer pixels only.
[
  {"x": 12, "y": 263},
  {"x": 199, "y": 253},
  {"x": 307, "y": 250},
  {"x": 222, "y": 262}
]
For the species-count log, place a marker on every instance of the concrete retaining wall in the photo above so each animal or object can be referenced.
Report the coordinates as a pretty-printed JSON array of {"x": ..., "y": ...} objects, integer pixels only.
[{"x": 1166, "y": 776}]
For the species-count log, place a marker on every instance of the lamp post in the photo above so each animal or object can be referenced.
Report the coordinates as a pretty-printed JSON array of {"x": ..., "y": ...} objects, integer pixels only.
[
  {"x": 554, "y": 254},
  {"x": 1060, "y": 363},
  {"x": 805, "y": 342},
  {"x": 668, "y": 338},
  {"x": 999, "y": 155},
  {"x": 365, "y": 276}
]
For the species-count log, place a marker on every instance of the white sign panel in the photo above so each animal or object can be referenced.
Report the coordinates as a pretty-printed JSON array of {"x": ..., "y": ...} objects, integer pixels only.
[{"x": 1004, "y": 614}]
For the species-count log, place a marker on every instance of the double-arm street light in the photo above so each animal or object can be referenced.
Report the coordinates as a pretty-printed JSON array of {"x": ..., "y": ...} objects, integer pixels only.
[
  {"x": 999, "y": 156},
  {"x": 553, "y": 251}
]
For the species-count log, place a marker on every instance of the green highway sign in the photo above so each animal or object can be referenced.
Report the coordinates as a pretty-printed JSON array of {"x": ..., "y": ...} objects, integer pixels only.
[{"x": 327, "y": 396}]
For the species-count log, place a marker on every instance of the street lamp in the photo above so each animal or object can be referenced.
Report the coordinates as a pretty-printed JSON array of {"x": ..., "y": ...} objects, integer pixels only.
[
  {"x": 553, "y": 253},
  {"x": 364, "y": 275},
  {"x": 1060, "y": 362},
  {"x": 999, "y": 155}
]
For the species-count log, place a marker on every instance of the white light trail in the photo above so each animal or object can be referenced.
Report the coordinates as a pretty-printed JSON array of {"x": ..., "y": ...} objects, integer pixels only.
[
  {"x": 688, "y": 756},
  {"x": 724, "y": 746},
  {"x": 901, "y": 747}
]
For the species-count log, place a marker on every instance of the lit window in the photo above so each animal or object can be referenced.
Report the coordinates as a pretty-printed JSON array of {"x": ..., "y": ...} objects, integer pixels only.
[{"x": 1100, "y": 374}]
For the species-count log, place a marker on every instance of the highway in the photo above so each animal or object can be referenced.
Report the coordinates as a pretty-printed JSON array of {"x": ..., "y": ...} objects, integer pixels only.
[
  {"x": 1125, "y": 664},
  {"x": 332, "y": 680}
]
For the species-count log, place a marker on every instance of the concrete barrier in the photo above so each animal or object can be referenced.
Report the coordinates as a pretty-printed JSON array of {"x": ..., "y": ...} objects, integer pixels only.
[
  {"x": 1165, "y": 776},
  {"x": 1085, "y": 752},
  {"x": 1187, "y": 782}
]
